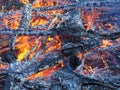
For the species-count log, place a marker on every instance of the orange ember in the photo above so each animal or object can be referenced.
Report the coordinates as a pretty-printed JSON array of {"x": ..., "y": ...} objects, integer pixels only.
[
  {"x": 40, "y": 3},
  {"x": 109, "y": 26},
  {"x": 55, "y": 46},
  {"x": 106, "y": 43},
  {"x": 47, "y": 72},
  {"x": 12, "y": 21},
  {"x": 89, "y": 18},
  {"x": 104, "y": 61},
  {"x": 38, "y": 21},
  {"x": 24, "y": 1},
  {"x": 4, "y": 66}
]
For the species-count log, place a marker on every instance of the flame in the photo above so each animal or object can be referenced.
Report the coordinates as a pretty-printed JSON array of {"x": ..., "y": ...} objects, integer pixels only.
[
  {"x": 106, "y": 43},
  {"x": 89, "y": 18},
  {"x": 24, "y": 1},
  {"x": 47, "y": 72},
  {"x": 23, "y": 45},
  {"x": 88, "y": 70}
]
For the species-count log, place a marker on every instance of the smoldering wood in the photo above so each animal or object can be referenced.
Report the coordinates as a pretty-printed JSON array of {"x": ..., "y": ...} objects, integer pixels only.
[
  {"x": 7, "y": 84},
  {"x": 46, "y": 63},
  {"x": 40, "y": 52},
  {"x": 24, "y": 24},
  {"x": 63, "y": 76},
  {"x": 62, "y": 80}
]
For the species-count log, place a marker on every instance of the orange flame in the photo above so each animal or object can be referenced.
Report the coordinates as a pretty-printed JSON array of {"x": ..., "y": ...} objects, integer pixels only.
[{"x": 23, "y": 45}]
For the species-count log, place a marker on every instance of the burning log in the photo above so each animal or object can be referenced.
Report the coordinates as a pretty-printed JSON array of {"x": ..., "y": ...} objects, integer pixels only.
[{"x": 44, "y": 64}]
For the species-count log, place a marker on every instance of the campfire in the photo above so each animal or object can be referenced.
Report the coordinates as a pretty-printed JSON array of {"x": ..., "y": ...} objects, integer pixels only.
[{"x": 59, "y": 45}]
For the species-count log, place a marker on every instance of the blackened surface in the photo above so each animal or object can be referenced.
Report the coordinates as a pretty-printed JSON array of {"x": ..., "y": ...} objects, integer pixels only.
[{"x": 9, "y": 56}]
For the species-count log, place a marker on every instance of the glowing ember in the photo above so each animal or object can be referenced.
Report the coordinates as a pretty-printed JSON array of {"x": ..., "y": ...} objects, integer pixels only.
[
  {"x": 89, "y": 18},
  {"x": 12, "y": 21},
  {"x": 4, "y": 66},
  {"x": 109, "y": 26},
  {"x": 38, "y": 21},
  {"x": 106, "y": 43},
  {"x": 47, "y": 72},
  {"x": 104, "y": 61},
  {"x": 55, "y": 46},
  {"x": 24, "y": 1}
]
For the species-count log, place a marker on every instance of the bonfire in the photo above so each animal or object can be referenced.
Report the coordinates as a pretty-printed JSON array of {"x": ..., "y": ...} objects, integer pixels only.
[{"x": 59, "y": 45}]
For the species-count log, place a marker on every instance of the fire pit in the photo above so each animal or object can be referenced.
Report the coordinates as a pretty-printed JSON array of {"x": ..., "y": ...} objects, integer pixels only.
[{"x": 59, "y": 45}]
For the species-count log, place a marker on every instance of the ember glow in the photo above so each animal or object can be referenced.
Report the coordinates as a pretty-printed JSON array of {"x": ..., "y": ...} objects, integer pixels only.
[
  {"x": 47, "y": 72},
  {"x": 106, "y": 43},
  {"x": 2, "y": 66},
  {"x": 89, "y": 18},
  {"x": 12, "y": 21}
]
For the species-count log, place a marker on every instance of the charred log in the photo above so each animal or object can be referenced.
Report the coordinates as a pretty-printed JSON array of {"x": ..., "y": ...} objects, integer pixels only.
[
  {"x": 72, "y": 62},
  {"x": 9, "y": 56}
]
